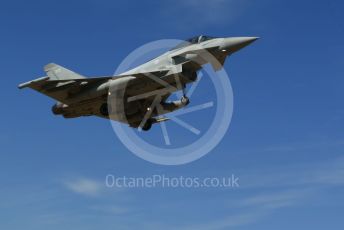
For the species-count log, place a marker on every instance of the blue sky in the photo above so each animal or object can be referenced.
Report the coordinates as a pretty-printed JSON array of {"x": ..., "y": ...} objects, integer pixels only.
[{"x": 285, "y": 142}]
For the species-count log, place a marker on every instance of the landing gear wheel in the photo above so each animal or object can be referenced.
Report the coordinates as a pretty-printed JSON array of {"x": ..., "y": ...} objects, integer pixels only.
[
  {"x": 104, "y": 110},
  {"x": 148, "y": 125},
  {"x": 185, "y": 100}
]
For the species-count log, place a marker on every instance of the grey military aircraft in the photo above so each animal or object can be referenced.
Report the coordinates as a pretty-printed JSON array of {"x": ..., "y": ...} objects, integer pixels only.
[{"x": 143, "y": 91}]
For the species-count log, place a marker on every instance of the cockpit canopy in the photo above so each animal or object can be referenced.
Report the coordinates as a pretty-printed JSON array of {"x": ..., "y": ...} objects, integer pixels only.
[{"x": 193, "y": 40}]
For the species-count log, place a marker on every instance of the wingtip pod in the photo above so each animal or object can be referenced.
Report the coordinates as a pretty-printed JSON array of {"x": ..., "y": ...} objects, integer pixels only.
[{"x": 22, "y": 85}]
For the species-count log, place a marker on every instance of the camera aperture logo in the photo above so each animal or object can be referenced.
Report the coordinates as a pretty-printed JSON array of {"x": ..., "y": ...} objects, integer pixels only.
[{"x": 200, "y": 117}]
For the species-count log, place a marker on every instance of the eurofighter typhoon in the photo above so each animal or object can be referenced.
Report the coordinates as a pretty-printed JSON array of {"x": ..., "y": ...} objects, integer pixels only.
[{"x": 138, "y": 97}]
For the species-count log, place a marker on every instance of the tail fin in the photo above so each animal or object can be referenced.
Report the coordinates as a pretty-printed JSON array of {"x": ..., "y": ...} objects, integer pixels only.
[{"x": 56, "y": 72}]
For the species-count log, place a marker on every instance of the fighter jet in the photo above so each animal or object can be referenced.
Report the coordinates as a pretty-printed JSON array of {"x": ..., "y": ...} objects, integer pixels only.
[{"x": 142, "y": 91}]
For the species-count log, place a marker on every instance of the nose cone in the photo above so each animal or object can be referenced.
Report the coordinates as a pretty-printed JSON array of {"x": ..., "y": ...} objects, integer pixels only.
[{"x": 236, "y": 43}]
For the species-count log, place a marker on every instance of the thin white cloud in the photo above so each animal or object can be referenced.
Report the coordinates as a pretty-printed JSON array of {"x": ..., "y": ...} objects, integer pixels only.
[
  {"x": 331, "y": 176},
  {"x": 85, "y": 186},
  {"x": 227, "y": 222},
  {"x": 292, "y": 185},
  {"x": 253, "y": 209},
  {"x": 306, "y": 180},
  {"x": 276, "y": 200},
  {"x": 317, "y": 174}
]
